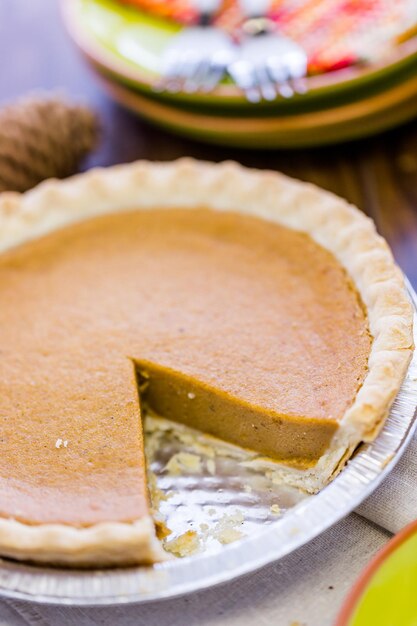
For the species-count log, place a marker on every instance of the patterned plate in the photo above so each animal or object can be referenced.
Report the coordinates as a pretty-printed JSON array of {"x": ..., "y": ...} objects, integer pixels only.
[
  {"x": 331, "y": 125},
  {"x": 127, "y": 44}
]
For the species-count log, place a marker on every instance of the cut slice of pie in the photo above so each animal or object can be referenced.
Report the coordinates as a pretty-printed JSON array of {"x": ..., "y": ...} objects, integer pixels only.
[{"x": 257, "y": 309}]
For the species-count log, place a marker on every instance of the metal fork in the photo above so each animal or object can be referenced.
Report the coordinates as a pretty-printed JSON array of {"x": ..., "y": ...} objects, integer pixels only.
[
  {"x": 268, "y": 64},
  {"x": 198, "y": 57}
]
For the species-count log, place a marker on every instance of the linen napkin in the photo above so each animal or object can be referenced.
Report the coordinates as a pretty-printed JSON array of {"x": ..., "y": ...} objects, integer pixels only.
[{"x": 306, "y": 588}]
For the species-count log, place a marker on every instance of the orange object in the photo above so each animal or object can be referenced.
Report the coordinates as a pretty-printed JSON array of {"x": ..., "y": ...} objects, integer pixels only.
[{"x": 250, "y": 313}]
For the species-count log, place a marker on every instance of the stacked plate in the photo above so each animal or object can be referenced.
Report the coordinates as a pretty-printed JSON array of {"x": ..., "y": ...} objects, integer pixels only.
[{"x": 125, "y": 46}]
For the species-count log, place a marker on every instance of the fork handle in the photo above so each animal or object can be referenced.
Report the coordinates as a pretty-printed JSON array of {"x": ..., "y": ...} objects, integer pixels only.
[
  {"x": 206, "y": 10},
  {"x": 255, "y": 8}
]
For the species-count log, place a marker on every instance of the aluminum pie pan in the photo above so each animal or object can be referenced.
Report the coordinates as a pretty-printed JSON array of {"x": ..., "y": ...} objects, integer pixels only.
[{"x": 274, "y": 540}]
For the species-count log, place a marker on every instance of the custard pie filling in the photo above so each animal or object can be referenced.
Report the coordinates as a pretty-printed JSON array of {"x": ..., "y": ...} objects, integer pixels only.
[{"x": 232, "y": 322}]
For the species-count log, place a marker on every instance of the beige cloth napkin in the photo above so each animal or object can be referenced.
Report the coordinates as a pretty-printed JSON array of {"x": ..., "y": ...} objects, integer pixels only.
[{"x": 304, "y": 589}]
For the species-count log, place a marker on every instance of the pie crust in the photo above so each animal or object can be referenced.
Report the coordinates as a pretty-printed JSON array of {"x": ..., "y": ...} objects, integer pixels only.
[{"x": 329, "y": 220}]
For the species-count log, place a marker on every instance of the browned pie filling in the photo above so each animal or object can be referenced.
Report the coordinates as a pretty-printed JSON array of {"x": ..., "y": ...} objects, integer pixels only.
[{"x": 242, "y": 328}]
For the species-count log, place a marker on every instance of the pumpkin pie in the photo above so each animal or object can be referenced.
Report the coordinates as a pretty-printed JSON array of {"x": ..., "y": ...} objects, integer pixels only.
[{"x": 260, "y": 310}]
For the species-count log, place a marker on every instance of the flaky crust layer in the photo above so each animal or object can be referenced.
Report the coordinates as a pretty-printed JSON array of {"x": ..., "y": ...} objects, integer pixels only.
[
  {"x": 106, "y": 544},
  {"x": 329, "y": 220}
]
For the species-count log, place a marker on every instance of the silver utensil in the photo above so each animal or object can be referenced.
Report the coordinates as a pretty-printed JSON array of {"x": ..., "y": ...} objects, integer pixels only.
[
  {"x": 268, "y": 64},
  {"x": 198, "y": 57}
]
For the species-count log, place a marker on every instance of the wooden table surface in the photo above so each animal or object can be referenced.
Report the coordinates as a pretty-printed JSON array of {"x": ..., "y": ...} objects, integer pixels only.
[{"x": 379, "y": 175}]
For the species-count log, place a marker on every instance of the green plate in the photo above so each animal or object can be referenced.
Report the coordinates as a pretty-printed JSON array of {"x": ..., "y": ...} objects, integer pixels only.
[
  {"x": 349, "y": 121},
  {"x": 386, "y": 593},
  {"x": 127, "y": 45}
]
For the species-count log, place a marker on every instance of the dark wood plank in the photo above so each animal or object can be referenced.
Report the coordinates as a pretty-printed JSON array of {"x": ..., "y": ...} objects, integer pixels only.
[{"x": 379, "y": 175}]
